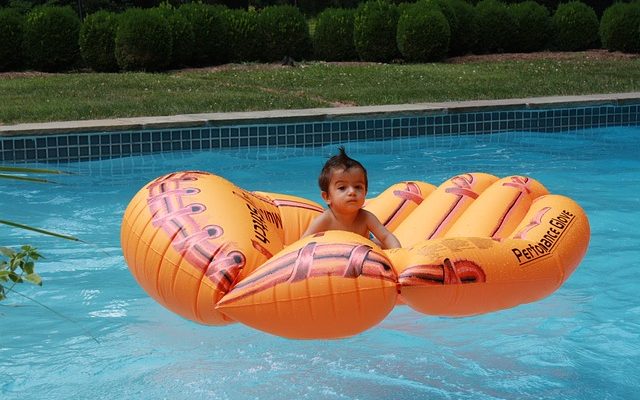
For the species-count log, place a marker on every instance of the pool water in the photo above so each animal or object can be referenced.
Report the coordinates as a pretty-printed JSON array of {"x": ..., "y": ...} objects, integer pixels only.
[{"x": 104, "y": 338}]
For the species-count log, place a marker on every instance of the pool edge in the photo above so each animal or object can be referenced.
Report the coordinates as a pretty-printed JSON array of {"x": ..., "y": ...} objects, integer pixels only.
[{"x": 300, "y": 115}]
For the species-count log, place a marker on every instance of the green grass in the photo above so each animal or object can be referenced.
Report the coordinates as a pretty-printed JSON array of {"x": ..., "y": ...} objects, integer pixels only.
[{"x": 80, "y": 96}]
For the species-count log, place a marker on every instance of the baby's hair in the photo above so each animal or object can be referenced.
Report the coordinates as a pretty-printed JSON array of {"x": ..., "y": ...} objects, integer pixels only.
[{"x": 339, "y": 161}]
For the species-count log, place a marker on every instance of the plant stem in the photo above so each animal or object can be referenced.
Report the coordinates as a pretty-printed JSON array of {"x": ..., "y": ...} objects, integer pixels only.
[{"x": 60, "y": 315}]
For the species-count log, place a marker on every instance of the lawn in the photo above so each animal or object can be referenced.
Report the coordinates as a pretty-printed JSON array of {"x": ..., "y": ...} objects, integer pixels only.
[{"x": 39, "y": 97}]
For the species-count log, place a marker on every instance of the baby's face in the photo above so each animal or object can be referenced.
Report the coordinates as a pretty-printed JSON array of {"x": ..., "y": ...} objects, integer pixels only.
[{"x": 347, "y": 190}]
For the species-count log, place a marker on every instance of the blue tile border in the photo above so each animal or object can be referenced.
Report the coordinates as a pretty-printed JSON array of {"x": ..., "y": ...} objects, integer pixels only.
[{"x": 74, "y": 146}]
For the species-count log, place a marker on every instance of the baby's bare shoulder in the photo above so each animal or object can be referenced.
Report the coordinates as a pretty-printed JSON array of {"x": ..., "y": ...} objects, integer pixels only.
[
  {"x": 320, "y": 223},
  {"x": 368, "y": 215},
  {"x": 325, "y": 218}
]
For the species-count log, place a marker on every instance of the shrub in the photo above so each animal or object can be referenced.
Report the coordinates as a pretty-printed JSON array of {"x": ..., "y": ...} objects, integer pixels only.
[
  {"x": 182, "y": 37},
  {"x": 333, "y": 38},
  {"x": 403, "y": 7},
  {"x": 285, "y": 32},
  {"x": 620, "y": 28},
  {"x": 244, "y": 35},
  {"x": 210, "y": 25},
  {"x": 98, "y": 41},
  {"x": 575, "y": 26},
  {"x": 11, "y": 29},
  {"x": 310, "y": 7},
  {"x": 423, "y": 33},
  {"x": 345, "y": 3},
  {"x": 374, "y": 31},
  {"x": 143, "y": 41},
  {"x": 21, "y": 6},
  {"x": 447, "y": 10},
  {"x": 533, "y": 26},
  {"x": 459, "y": 15},
  {"x": 51, "y": 38},
  {"x": 464, "y": 38},
  {"x": 445, "y": 7},
  {"x": 495, "y": 27},
  {"x": 92, "y": 6}
]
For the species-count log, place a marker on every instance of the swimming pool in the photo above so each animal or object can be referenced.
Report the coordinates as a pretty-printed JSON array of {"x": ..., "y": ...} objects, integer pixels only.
[{"x": 581, "y": 342}]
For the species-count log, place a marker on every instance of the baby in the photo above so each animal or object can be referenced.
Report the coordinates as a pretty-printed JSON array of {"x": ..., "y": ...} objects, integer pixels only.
[{"x": 343, "y": 184}]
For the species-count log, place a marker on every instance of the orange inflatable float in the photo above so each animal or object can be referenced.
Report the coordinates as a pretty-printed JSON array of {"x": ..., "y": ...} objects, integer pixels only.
[{"x": 216, "y": 254}]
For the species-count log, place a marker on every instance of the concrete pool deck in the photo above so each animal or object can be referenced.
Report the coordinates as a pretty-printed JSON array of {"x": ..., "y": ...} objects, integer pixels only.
[{"x": 314, "y": 114}]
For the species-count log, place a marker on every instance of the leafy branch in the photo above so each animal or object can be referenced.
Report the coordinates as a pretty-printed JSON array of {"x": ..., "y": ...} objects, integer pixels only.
[{"x": 18, "y": 267}]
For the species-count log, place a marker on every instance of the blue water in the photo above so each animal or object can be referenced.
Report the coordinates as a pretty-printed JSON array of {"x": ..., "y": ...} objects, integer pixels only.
[{"x": 108, "y": 340}]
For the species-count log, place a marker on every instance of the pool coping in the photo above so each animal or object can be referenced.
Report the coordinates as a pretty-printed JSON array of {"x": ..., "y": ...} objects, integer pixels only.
[{"x": 315, "y": 114}]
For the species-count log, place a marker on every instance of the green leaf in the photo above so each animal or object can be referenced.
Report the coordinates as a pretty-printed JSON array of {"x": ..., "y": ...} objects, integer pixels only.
[
  {"x": 43, "y": 231},
  {"x": 4, "y": 276},
  {"x": 7, "y": 252},
  {"x": 28, "y": 267},
  {"x": 31, "y": 252},
  {"x": 15, "y": 277},
  {"x": 33, "y": 278}
]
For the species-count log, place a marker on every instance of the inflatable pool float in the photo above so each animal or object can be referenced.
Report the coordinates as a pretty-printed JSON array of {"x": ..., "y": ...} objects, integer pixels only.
[{"x": 216, "y": 254}]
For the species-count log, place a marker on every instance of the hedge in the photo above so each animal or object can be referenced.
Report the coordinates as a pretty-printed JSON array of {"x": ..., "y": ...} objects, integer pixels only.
[
  {"x": 143, "y": 41},
  {"x": 11, "y": 32},
  {"x": 285, "y": 33},
  {"x": 98, "y": 41},
  {"x": 210, "y": 25},
  {"x": 51, "y": 38},
  {"x": 620, "y": 28},
  {"x": 245, "y": 43},
  {"x": 495, "y": 27},
  {"x": 423, "y": 33},
  {"x": 182, "y": 36},
  {"x": 333, "y": 37},
  {"x": 533, "y": 26},
  {"x": 464, "y": 38},
  {"x": 575, "y": 26},
  {"x": 374, "y": 31}
]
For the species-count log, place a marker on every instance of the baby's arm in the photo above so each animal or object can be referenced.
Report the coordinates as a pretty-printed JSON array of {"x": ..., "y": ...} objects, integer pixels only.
[{"x": 386, "y": 238}]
